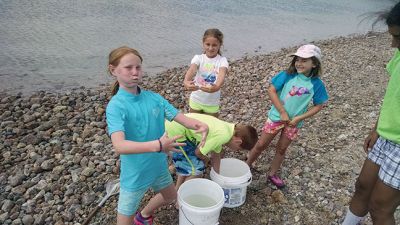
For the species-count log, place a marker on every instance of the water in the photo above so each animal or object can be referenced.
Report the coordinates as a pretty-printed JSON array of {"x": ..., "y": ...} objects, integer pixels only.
[
  {"x": 201, "y": 201},
  {"x": 58, "y": 45}
]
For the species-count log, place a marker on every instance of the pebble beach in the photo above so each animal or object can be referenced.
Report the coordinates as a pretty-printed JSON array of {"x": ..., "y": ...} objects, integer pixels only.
[{"x": 56, "y": 155}]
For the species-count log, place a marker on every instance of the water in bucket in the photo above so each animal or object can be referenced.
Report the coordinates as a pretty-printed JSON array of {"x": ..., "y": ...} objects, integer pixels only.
[{"x": 200, "y": 202}]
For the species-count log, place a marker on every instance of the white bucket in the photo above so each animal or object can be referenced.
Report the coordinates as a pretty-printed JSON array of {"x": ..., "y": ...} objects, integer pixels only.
[
  {"x": 234, "y": 177},
  {"x": 200, "y": 202}
]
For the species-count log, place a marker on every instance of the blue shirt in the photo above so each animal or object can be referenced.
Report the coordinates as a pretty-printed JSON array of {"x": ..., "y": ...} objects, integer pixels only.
[
  {"x": 295, "y": 92},
  {"x": 141, "y": 117}
]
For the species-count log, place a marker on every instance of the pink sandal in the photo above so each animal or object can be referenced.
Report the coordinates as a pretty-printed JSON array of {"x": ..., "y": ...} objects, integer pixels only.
[
  {"x": 140, "y": 220},
  {"x": 277, "y": 181}
]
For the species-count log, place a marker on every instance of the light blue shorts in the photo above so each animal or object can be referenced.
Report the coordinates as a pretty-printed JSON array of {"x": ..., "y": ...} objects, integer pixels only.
[
  {"x": 182, "y": 165},
  {"x": 128, "y": 201}
]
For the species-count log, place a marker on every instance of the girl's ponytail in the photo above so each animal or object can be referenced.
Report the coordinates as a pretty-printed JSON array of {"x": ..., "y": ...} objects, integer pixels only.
[{"x": 114, "y": 88}]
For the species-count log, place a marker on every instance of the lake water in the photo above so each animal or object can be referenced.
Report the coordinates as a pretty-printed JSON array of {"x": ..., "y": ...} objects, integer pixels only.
[{"x": 58, "y": 45}]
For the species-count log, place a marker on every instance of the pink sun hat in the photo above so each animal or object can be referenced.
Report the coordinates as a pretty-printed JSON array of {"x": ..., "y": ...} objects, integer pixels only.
[{"x": 308, "y": 51}]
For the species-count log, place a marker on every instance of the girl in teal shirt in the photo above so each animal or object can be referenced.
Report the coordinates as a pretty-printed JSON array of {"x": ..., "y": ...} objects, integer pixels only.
[{"x": 135, "y": 120}]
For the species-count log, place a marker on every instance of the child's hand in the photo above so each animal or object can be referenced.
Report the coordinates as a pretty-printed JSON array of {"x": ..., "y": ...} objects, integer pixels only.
[
  {"x": 190, "y": 86},
  {"x": 170, "y": 144},
  {"x": 370, "y": 140},
  {"x": 207, "y": 88},
  {"x": 203, "y": 158},
  {"x": 206, "y": 161},
  {"x": 285, "y": 117},
  {"x": 203, "y": 129},
  {"x": 294, "y": 121}
]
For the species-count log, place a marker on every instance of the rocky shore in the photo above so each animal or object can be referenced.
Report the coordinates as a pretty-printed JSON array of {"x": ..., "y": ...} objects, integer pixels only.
[{"x": 56, "y": 155}]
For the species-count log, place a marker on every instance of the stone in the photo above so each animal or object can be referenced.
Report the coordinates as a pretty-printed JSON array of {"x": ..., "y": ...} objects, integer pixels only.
[{"x": 27, "y": 220}]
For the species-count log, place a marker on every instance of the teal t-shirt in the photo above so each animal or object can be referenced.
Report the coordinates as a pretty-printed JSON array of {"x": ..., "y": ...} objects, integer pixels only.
[
  {"x": 389, "y": 119},
  {"x": 141, "y": 117},
  {"x": 295, "y": 92},
  {"x": 219, "y": 132}
]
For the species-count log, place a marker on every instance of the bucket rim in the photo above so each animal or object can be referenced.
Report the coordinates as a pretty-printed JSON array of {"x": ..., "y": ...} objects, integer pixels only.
[
  {"x": 219, "y": 203},
  {"x": 243, "y": 179}
]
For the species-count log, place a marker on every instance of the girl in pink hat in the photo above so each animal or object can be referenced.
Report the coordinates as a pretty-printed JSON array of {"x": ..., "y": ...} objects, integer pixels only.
[{"x": 291, "y": 92}]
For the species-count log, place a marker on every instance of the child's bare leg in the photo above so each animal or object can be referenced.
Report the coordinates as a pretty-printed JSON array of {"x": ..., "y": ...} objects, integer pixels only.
[
  {"x": 281, "y": 148},
  {"x": 192, "y": 177},
  {"x": 364, "y": 186},
  {"x": 179, "y": 181},
  {"x": 171, "y": 168},
  {"x": 124, "y": 220},
  {"x": 166, "y": 195},
  {"x": 261, "y": 144},
  {"x": 383, "y": 203}
]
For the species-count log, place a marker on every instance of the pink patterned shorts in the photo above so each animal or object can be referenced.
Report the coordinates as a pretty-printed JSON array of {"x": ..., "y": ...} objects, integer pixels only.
[{"x": 271, "y": 127}]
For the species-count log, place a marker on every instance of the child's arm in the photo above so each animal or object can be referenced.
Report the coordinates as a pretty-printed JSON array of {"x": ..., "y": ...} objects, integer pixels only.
[
  {"x": 188, "y": 82},
  {"x": 200, "y": 155},
  {"x": 311, "y": 112},
  {"x": 197, "y": 126},
  {"x": 220, "y": 81},
  {"x": 123, "y": 146},
  {"x": 215, "y": 161},
  {"x": 370, "y": 140},
  {"x": 277, "y": 103}
]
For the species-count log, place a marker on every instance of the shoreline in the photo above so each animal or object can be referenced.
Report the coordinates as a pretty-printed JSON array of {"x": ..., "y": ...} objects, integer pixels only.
[
  {"x": 154, "y": 75},
  {"x": 56, "y": 155},
  {"x": 69, "y": 45}
]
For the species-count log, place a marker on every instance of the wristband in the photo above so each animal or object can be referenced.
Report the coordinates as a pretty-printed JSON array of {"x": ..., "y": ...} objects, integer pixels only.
[{"x": 159, "y": 142}]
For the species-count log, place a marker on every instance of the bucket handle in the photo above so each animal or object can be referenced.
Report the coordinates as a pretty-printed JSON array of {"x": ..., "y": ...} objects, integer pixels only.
[{"x": 184, "y": 214}]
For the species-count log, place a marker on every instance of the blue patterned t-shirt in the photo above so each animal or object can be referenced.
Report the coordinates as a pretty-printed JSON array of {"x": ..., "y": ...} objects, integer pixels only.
[{"x": 295, "y": 92}]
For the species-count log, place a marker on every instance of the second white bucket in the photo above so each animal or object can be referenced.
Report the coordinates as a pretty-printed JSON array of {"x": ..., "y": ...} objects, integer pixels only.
[
  {"x": 200, "y": 202},
  {"x": 234, "y": 177}
]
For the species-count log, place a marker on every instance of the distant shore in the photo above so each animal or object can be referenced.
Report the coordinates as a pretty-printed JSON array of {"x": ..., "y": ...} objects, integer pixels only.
[{"x": 56, "y": 155}]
